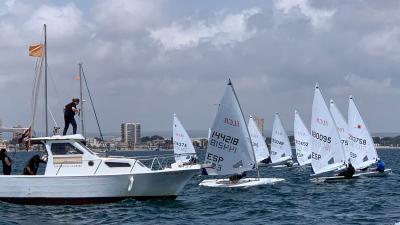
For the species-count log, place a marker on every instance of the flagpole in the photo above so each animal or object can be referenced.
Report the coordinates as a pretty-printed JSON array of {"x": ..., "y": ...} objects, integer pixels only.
[
  {"x": 81, "y": 97},
  {"x": 45, "y": 78}
]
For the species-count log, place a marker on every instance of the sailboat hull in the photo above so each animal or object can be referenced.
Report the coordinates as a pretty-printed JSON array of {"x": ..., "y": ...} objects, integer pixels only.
[
  {"x": 374, "y": 173},
  {"x": 242, "y": 183},
  {"x": 334, "y": 179}
]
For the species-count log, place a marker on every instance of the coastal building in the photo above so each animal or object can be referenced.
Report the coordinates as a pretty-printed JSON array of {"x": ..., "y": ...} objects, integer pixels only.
[
  {"x": 260, "y": 124},
  {"x": 130, "y": 134}
]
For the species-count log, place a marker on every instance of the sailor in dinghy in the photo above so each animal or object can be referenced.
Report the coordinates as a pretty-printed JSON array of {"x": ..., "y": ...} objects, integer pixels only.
[
  {"x": 302, "y": 140},
  {"x": 361, "y": 141},
  {"x": 184, "y": 152},
  {"x": 261, "y": 151},
  {"x": 230, "y": 150},
  {"x": 327, "y": 155},
  {"x": 281, "y": 151}
]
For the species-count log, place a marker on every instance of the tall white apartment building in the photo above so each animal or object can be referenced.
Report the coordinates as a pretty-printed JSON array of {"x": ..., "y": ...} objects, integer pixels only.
[{"x": 130, "y": 133}]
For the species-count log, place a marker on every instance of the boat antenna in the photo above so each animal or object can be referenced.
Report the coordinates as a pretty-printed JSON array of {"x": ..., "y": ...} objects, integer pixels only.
[
  {"x": 45, "y": 79},
  {"x": 91, "y": 101}
]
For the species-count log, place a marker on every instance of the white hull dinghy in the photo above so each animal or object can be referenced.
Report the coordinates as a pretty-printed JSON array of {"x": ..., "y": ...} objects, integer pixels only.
[
  {"x": 374, "y": 173},
  {"x": 76, "y": 175},
  {"x": 185, "y": 155},
  {"x": 327, "y": 155},
  {"x": 361, "y": 141},
  {"x": 335, "y": 178},
  {"x": 281, "y": 152},
  {"x": 344, "y": 132},
  {"x": 260, "y": 148},
  {"x": 302, "y": 140},
  {"x": 230, "y": 151},
  {"x": 242, "y": 183}
]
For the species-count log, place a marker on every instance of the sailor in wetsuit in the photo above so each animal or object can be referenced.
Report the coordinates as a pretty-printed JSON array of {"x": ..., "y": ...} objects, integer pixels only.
[
  {"x": 349, "y": 172},
  {"x": 380, "y": 166},
  {"x": 236, "y": 177},
  {"x": 6, "y": 162},
  {"x": 289, "y": 163},
  {"x": 267, "y": 160},
  {"x": 69, "y": 113}
]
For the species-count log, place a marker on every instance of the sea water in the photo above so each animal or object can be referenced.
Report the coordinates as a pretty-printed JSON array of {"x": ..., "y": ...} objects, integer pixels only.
[{"x": 294, "y": 201}]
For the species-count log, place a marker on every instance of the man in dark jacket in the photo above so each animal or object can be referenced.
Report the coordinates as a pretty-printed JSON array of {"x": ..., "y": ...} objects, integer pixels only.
[{"x": 69, "y": 112}]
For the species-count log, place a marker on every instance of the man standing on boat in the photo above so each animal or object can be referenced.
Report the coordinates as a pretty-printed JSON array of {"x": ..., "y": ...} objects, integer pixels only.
[{"x": 69, "y": 112}]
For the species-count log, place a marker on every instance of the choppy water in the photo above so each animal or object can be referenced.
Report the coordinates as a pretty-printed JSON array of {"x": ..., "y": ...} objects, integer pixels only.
[{"x": 295, "y": 201}]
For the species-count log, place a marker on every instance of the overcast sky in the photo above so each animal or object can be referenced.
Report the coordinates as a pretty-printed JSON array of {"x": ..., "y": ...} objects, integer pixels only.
[{"x": 145, "y": 60}]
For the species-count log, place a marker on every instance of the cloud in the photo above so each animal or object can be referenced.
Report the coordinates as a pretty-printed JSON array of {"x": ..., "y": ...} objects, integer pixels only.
[
  {"x": 383, "y": 43},
  {"x": 126, "y": 16},
  {"x": 319, "y": 18},
  {"x": 365, "y": 85},
  {"x": 228, "y": 30},
  {"x": 64, "y": 21}
]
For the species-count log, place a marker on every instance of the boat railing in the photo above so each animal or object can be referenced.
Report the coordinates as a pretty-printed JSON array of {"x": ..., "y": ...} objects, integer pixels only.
[{"x": 160, "y": 162}]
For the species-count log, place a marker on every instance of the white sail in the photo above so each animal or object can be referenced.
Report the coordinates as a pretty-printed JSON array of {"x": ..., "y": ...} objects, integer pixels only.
[
  {"x": 229, "y": 149},
  {"x": 327, "y": 150},
  {"x": 360, "y": 139},
  {"x": 343, "y": 130},
  {"x": 260, "y": 148},
  {"x": 302, "y": 140},
  {"x": 280, "y": 145},
  {"x": 183, "y": 147}
]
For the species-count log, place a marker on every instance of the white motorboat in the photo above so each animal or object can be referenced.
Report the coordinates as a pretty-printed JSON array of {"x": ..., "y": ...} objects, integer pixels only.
[{"x": 76, "y": 175}]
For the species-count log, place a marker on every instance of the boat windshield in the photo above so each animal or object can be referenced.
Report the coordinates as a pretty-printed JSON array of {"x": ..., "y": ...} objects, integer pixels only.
[{"x": 86, "y": 148}]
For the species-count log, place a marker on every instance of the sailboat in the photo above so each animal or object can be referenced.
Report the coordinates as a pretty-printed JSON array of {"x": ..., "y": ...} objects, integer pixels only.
[
  {"x": 184, "y": 152},
  {"x": 360, "y": 140},
  {"x": 281, "y": 152},
  {"x": 261, "y": 151},
  {"x": 327, "y": 150},
  {"x": 344, "y": 133},
  {"x": 302, "y": 140},
  {"x": 230, "y": 150}
]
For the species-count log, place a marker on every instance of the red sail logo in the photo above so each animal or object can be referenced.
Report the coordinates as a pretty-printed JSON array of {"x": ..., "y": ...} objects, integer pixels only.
[{"x": 231, "y": 122}]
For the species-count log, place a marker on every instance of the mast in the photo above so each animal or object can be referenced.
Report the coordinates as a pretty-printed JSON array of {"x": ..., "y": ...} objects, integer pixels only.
[
  {"x": 45, "y": 78},
  {"x": 81, "y": 97}
]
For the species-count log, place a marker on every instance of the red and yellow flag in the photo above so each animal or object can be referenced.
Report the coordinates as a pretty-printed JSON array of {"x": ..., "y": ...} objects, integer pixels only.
[{"x": 36, "y": 50}]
